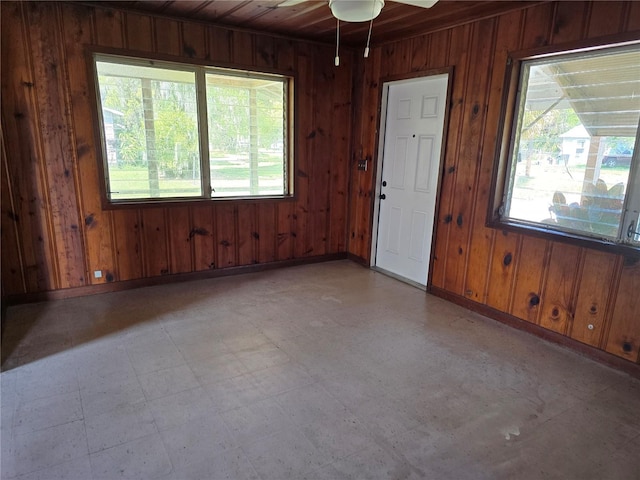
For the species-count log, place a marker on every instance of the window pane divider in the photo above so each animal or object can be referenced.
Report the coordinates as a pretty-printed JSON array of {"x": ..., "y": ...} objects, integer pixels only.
[{"x": 203, "y": 130}]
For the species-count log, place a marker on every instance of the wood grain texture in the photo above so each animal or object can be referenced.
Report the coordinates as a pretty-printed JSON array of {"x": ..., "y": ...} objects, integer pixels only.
[
  {"x": 592, "y": 303},
  {"x": 539, "y": 281},
  {"x": 63, "y": 234},
  {"x": 623, "y": 336}
]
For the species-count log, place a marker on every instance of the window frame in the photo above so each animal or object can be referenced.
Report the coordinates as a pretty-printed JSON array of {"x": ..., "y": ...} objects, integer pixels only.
[
  {"x": 508, "y": 131},
  {"x": 201, "y": 69}
]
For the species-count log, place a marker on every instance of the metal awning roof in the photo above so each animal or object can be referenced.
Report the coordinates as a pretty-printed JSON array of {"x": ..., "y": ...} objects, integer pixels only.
[{"x": 603, "y": 90}]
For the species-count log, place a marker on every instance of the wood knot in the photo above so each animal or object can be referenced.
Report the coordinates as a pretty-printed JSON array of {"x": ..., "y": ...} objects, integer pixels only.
[{"x": 508, "y": 258}]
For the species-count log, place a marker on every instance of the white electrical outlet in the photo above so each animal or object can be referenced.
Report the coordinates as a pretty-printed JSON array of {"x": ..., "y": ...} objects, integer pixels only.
[{"x": 97, "y": 274}]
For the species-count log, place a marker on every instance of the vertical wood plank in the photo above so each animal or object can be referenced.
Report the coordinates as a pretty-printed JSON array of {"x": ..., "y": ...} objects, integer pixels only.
[
  {"x": 481, "y": 262},
  {"x": 266, "y": 240},
  {"x": 55, "y": 141},
  {"x": 606, "y": 18},
  {"x": 13, "y": 281},
  {"x": 322, "y": 151},
  {"x": 596, "y": 281},
  {"x": 265, "y": 51},
  {"x": 96, "y": 223},
  {"x": 202, "y": 236},
  {"x": 167, "y": 36},
  {"x": 339, "y": 168},
  {"x": 126, "y": 228},
  {"x": 501, "y": 273},
  {"x": 180, "y": 246},
  {"x": 220, "y": 44},
  {"x": 624, "y": 334},
  {"x": 438, "y": 49},
  {"x": 246, "y": 234},
  {"x": 538, "y": 25},
  {"x": 420, "y": 53},
  {"x": 558, "y": 302},
  {"x": 154, "y": 242},
  {"x": 396, "y": 58},
  {"x": 480, "y": 238},
  {"x": 19, "y": 129},
  {"x": 109, "y": 26},
  {"x": 632, "y": 19},
  {"x": 569, "y": 21},
  {"x": 459, "y": 39},
  {"x": 194, "y": 41},
  {"x": 302, "y": 242},
  {"x": 226, "y": 236},
  {"x": 285, "y": 234},
  {"x": 458, "y": 165},
  {"x": 529, "y": 271},
  {"x": 139, "y": 32},
  {"x": 243, "y": 48}
]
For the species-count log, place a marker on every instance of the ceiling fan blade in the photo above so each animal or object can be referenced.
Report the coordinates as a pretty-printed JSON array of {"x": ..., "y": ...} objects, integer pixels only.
[
  {"x": 290, "y": 3},
  {"x": 418, "y": 3}
]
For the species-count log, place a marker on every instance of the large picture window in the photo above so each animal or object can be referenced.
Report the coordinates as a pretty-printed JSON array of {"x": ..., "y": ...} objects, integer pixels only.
[
  {"x": 570, "y": 164},
  {"x": 172, "y": 131}
]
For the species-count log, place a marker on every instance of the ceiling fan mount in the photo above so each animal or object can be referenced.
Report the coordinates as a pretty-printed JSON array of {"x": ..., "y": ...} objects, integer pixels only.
[{"x": 360, "y": 10}]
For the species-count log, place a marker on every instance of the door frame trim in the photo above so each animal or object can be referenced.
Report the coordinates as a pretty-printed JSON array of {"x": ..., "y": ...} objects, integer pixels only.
[{"x": 385, "y": 82}]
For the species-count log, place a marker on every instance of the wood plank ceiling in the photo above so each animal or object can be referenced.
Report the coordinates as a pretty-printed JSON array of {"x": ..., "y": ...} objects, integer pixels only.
[{"x": 312, "y": 19}]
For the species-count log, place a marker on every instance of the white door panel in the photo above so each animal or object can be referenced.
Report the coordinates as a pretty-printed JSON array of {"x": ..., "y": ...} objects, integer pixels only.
[{"x": 410, "y": 164}]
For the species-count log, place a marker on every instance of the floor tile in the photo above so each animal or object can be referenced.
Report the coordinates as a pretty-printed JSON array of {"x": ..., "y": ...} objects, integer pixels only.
[
  {"x": 286, "y": 454},
  {"x": 141, "y": 458},
  {"x": 197, "y": 440},
  {"x": 166, "y": 382},
  {"x": 179, "y": 408},
  {"x": 47, "y": 412},
  {"x": 77, "y": 469},
  {"x": 120, "y": 425},
  {"x": 255, "y": 421},
  {"x": 234, "y": 392},
  {"x": 49, "y": 447}
]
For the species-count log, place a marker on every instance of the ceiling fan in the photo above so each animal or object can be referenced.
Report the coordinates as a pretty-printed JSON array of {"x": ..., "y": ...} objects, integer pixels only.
[{"x": 360, "y": 10}]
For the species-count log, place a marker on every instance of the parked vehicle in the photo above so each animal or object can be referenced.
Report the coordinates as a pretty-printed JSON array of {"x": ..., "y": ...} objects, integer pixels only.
[{"x": 617, "y": 160}]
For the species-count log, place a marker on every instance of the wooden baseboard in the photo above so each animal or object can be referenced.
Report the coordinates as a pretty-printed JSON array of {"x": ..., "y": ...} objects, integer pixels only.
[
  {"x": 163, "y": 279},
  {"x": 357, "y": 259},
  {"x": 593, "y": 353}
]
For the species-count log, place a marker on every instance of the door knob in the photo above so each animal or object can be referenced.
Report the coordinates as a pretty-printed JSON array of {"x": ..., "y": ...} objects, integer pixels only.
[{"x": 382, "y": 196}]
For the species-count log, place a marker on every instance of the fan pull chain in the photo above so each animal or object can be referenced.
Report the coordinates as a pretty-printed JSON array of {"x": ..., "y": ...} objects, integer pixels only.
[
  {"x": 366, "y": 49},
  {"x": 337, "y": 59}
]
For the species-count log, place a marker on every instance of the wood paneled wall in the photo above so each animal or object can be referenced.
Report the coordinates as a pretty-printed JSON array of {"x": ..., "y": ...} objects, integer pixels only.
[
  {"x": 55, "y": 233},
  {"x": 557, "y": 286}
]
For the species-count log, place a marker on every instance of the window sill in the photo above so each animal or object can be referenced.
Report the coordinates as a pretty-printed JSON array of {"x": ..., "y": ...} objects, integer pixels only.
[
  {"x": 197, "y": 201},
  {"x": 628, "y": 251}
]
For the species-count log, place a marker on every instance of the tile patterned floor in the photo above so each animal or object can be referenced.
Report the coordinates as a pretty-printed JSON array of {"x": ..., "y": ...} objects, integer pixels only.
[{"x": 326, "y": 371}]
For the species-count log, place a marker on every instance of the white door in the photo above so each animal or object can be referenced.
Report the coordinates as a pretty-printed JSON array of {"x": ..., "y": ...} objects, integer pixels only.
[{"x": 414, "y": 123}]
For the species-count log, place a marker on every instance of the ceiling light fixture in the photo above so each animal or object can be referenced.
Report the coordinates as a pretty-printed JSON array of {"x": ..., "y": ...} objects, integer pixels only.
[{"x": 356, "y": 10}]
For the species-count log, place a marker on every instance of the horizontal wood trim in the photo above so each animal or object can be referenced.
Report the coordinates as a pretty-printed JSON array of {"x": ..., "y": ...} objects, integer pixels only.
[
  {"x": 164, "y": 279},
  {"x": 596, "y": 354}
]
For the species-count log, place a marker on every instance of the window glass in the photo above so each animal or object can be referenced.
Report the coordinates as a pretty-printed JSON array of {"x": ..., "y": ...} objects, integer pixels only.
[
  {"x": 150, "y": 130},
  {"x": 246, "y": 135},
  {"x": 573, "y": 146},
  {"x": 179, "y": 131}
]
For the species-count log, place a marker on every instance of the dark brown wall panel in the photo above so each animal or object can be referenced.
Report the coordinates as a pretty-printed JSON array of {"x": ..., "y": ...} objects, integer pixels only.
[
  {"x": 547, "y": 283},
  {"x": 61, "y": 231}
]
